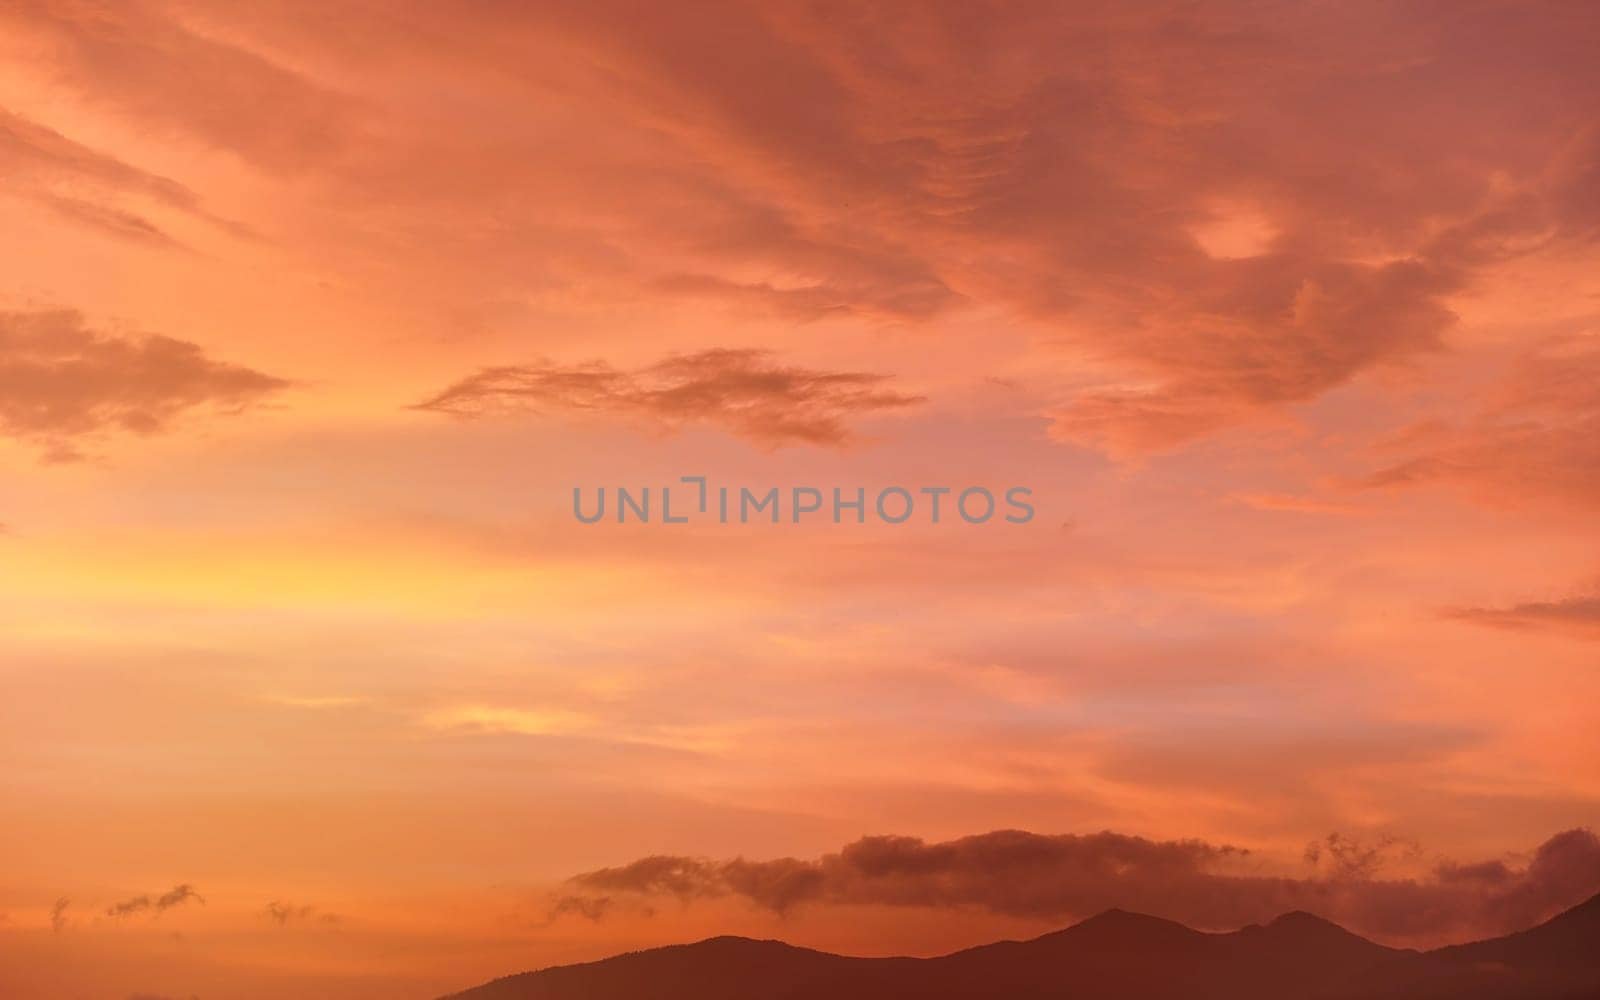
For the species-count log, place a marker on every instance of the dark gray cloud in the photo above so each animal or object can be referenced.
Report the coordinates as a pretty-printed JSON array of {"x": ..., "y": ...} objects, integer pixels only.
[
  {"x": 1065, "y": 877},
  {"x": 176, "y": 896},
  {"x": 747, "y": 392}
]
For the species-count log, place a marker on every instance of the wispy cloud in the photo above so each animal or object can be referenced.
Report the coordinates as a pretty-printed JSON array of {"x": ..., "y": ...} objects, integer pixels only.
[
  {"x": 283, "y": 914},
  {"x": 501, "y": 719},
  {"x": 1536, "y": 437},
  {"x": 90, "y": 187},
  {"x": 61, "y": 381},
  {"x": 143, "y": 61},
  {"x": 1577, "y": 615},
  {"x": 748, "y": 392},
  {"x": 176, "y": 896},
  {"x": 1289, "y": 503}
]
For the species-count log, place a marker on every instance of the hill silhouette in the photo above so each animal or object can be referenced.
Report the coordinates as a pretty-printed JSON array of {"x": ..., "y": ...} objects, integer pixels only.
[{"x": 1117, "y": 954}]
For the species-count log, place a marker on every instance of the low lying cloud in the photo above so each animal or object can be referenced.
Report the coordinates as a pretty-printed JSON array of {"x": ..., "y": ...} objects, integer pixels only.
[
  {"x": 283, "y": 914},
  {"x": 747, "y": 392},
  {"x": 176, "y": 896},
  {"x": 61, "y": 381},
  {"x": 1578, "y": 615},
  {"x": 1068, "y": 877},
  {"x": 594, "y": 908}
]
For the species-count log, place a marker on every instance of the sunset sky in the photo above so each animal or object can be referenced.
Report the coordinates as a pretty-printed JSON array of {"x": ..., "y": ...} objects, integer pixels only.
[{"x": 313, "y": 313}]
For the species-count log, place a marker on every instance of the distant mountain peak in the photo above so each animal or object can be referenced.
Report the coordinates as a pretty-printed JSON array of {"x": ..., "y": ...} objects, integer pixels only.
[
  {"x": 1589, "y": 909},
  {"x": 1126, "y": 923},
  {"x": 1300, "y": 921},
  {"x": 1113, "y": 915},
  {"x": 1119, "y": 917},
  {"x": 1113, "y": 955},
  {"x": 1300, "y": 917}
]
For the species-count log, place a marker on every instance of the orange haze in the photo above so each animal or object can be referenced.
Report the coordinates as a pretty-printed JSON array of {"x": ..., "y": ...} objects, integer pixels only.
[{"x": 314, "y": 312}]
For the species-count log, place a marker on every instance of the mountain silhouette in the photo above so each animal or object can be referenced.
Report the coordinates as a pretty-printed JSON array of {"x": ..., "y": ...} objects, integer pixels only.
[
  {"x": 1127, "y": 956},
  {"x": 1560, "y": 958}
]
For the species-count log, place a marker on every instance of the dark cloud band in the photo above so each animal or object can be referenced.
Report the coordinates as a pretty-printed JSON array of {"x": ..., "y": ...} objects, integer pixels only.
[{"x": 1070, "y": 876}]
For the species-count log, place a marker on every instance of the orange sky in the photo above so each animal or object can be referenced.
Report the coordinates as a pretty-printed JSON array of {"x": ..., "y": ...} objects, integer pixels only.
[{"x": 1287, "y": 313}]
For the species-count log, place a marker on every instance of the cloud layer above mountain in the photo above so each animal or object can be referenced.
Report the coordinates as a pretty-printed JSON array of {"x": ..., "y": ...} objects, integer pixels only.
[{"x": 1066, "y": 877}]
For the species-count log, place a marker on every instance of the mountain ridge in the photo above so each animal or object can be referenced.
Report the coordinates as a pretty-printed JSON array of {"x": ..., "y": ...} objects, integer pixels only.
[{"x": 1114, "y": 954}]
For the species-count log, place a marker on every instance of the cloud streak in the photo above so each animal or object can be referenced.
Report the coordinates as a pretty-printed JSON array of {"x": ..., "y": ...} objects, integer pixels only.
[
  {"x": 747, "y": 392},
  {"x": 1536, "y": 437},
  {"x": 89, "y": 187},
  {"x": 1575, "y": 615}
]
